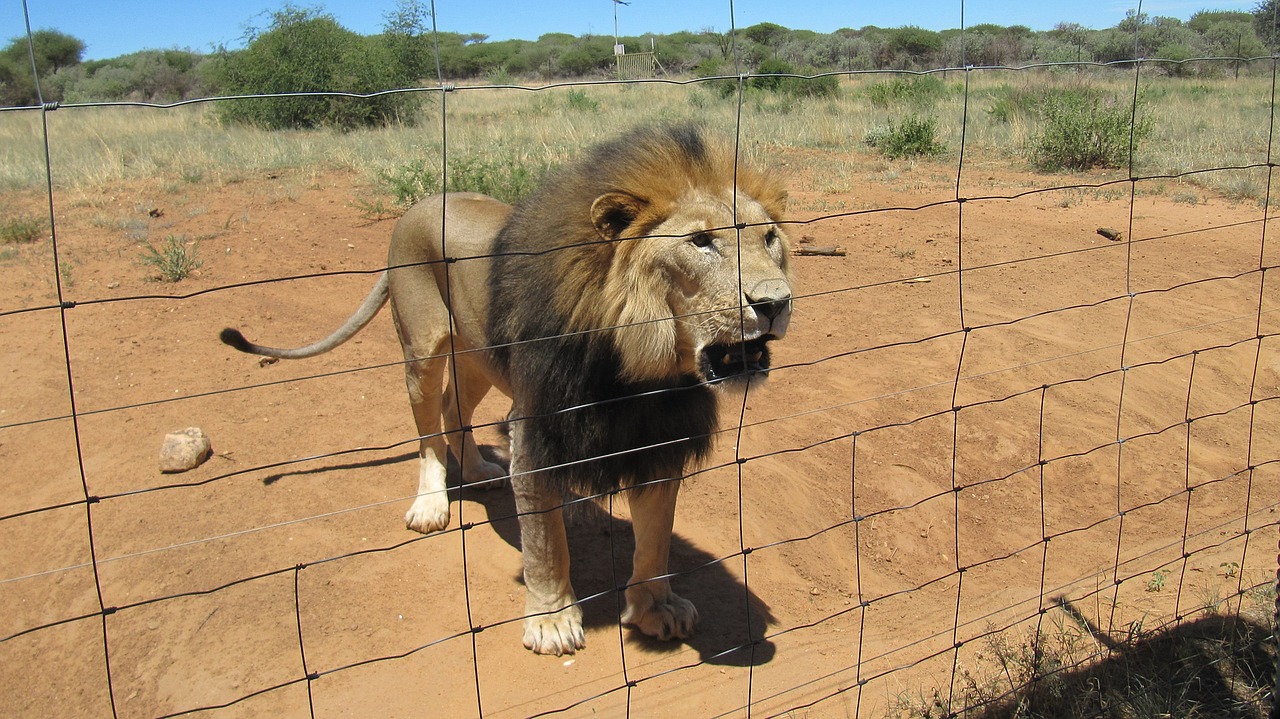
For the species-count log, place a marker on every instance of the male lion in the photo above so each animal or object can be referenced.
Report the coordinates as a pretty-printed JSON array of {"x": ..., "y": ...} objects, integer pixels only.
[{"x": 608, "y": 306}]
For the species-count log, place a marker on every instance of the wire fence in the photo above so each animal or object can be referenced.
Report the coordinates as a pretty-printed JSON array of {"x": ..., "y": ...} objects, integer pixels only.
[{"x": 977, "y": 486}]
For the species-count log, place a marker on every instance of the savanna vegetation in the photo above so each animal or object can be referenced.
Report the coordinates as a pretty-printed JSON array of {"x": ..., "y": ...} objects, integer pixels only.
[
  {"x": 302, "y": 50},
  {"x": 502, "y": 140}
]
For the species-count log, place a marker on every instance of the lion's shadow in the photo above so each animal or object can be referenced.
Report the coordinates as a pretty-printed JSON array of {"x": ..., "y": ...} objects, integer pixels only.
[{"x": 731, "y": 619}]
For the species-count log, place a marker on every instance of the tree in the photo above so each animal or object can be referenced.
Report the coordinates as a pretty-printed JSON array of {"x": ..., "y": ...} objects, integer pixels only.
[
  {"x": 1266, "y": 19},
  {"x": 723, "y": 41},
  {"x": 307, "y": 51},
  {"x": 53, "y": 51},
  {"x": 766, "y": 33},
  {"x": 406, "y": 29},
  {"x": 916, "y": 42}
]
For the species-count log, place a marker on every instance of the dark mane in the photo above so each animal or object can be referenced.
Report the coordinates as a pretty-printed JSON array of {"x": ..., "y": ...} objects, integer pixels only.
[{"x": 581, "y": 424}]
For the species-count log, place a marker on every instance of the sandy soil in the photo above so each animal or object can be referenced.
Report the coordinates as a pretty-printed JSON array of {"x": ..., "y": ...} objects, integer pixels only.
[{"x": 285, "y": 555}]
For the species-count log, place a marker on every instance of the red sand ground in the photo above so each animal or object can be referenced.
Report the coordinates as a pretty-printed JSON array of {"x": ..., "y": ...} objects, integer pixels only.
[{"x": 863, "y": 323}]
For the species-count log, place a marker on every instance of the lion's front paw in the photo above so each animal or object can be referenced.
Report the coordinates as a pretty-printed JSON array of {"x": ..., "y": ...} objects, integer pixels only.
[
  {"x": 669, "y": 617},
  {"x": 429, "y": 513},
  {"x": 557, "y": 633}
]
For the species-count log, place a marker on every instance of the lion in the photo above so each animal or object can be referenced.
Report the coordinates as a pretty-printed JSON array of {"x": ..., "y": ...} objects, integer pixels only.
[{"x": 612, "y": 306}]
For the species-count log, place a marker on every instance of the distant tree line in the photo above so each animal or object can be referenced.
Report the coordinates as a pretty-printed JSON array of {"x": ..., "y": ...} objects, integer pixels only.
[{"x": 304, "y": 50}]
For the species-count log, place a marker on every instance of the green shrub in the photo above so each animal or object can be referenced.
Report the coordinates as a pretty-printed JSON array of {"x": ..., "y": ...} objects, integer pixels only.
[
  {"x": 22, "y": 228},
  {"x": 1084, "y": 130},
  {"x": 772, "y": 75},
  {"x": 913, "y": 137},
  {"x": 173, "y": 260},
  {"x": 779, "y": 76},
  {"x": 1008, "y": 102},
  {"x": 507, "y": 180},
  {"x": 586, "y": 58},
  {"x": 919, "y": 90},
  {"x": 580, "y": 101}
]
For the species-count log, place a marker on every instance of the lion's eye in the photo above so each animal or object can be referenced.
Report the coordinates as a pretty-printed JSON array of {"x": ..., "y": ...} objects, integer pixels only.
[
  {"x": 702, "y": 240},
  {"x": 771, "y": 238}
]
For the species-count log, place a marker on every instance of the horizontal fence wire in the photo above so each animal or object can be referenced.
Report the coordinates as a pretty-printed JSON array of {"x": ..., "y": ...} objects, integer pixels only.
[{"x": 135, "y": 592}]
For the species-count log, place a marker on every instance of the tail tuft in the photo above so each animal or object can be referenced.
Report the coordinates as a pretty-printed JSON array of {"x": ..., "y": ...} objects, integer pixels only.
[{"x": 233, "y": 337}]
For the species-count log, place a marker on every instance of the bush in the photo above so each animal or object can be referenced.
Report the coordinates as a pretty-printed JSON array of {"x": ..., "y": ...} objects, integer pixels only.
[
  {"x": 146, "y": 76},
  {"x": 507, "y": 180},
  {"x": 580, "y": 101},
  {"x": 918, "y": 90},
  {"x": 22, "y": 228},
  {"x": 586, "y": 58},
  {"x": 1084, "y": 130},
  {"x": 779, "y": 76},
  {"x": 726, "y": 85},
  {"x": 913, "y": 137},
  {"x": 305, "y": 51},
  {"x": 772, "y": 75}
]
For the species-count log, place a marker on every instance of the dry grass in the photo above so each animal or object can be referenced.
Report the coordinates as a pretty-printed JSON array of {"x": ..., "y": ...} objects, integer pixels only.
[
  {"x": 1199, "y": 125},
  {"x": 1218, "y": 663}
]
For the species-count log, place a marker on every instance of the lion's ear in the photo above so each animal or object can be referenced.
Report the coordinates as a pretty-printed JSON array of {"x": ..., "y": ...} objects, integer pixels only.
[{"x": 613, "y": 212}]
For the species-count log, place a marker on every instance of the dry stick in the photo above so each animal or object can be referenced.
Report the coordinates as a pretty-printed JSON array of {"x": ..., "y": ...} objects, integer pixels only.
[{"x": 828, "y": 251}]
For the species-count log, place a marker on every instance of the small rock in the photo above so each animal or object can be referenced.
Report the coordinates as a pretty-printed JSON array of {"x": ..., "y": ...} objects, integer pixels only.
[{"x": 184, "y": 450}]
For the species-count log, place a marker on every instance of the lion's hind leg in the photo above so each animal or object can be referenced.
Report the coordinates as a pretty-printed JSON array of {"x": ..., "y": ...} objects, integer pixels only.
[
  {"x": 430, "y": 509},
  {"x": 467, "y": 386},
  {"x": 651, "y": 605}
]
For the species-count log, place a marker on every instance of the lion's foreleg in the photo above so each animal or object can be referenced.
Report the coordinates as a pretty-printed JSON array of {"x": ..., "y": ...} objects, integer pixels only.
[
  {"x": 651, "y": 605},
  {"x": 553, "y": 622}
]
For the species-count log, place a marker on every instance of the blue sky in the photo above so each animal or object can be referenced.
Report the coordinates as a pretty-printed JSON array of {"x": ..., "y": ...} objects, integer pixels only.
[{"x": 116, "y": 27}]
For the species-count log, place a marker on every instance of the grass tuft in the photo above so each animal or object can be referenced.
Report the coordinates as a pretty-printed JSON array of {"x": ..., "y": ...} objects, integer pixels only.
[
  {"x": 22, "y": 229},
  {"x": 173, "y": 261}
]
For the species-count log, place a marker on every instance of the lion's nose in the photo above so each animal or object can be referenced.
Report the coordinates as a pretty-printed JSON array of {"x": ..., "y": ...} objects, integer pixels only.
[{"x": 770, "y": 298}]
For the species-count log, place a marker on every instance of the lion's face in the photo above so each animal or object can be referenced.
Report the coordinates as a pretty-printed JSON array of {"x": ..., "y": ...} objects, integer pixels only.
[{"x": 703, "y": 291}]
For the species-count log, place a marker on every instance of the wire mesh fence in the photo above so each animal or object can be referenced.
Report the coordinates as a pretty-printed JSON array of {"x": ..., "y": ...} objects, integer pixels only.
[{"x": 1002, "y": 462}]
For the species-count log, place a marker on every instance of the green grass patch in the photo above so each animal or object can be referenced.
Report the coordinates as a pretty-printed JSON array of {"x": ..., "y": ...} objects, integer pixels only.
[
  {"x": 918, "y": 90},
  {"x": 580, "y": 101}
]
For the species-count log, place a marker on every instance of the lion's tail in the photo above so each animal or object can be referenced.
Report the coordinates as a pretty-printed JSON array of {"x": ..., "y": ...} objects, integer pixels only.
[{"x": 372, "y": 303}]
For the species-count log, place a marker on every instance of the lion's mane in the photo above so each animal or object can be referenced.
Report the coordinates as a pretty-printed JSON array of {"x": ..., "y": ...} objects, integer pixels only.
[{"x": 602, "y": 407}]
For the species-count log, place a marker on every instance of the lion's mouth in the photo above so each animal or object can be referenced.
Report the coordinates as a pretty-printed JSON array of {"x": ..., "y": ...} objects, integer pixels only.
[{"x": 738, "y": 359}]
